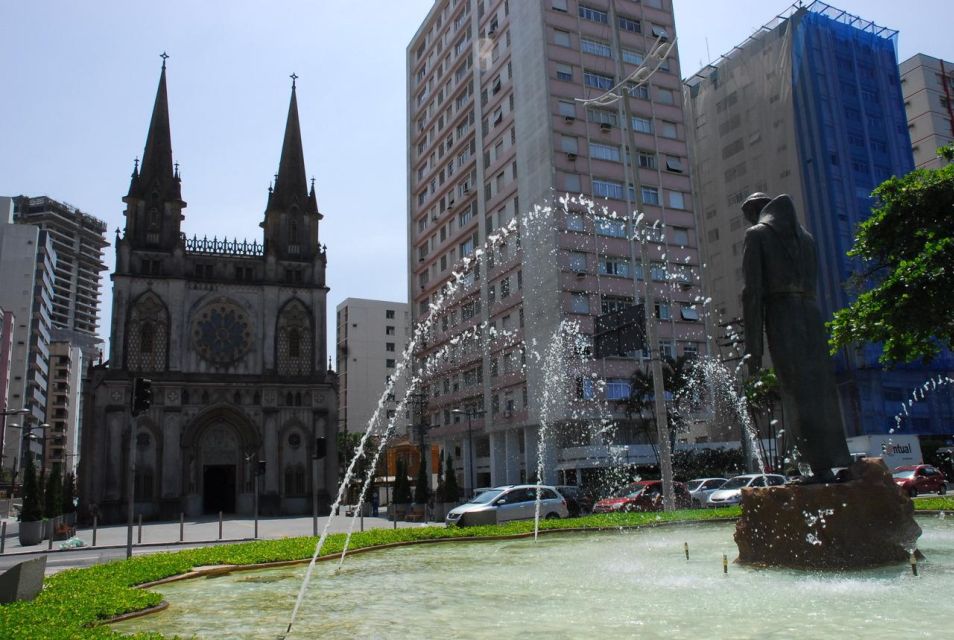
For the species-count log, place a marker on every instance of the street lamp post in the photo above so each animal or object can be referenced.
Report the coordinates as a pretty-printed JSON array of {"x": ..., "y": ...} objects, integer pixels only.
[
  {"x": 471, "y": 414},
  {"x": 3, "y": 433}
]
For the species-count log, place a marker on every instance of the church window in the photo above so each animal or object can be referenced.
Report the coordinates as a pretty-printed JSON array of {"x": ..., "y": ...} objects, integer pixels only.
[
  {"x": 147, "y": 334},
  {"x": 143, "y": 489},
  {"x": 185, "y": 396},
  {"x": 295, "y": 480},
  {"x": 288, "y": 398},
  {"x": 294, "y": 340}
]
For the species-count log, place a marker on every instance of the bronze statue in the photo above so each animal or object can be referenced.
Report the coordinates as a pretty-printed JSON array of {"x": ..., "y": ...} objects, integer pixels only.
[{"x": 780, "y": 269}]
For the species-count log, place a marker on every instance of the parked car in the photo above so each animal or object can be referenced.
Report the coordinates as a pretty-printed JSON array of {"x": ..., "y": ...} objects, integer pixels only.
[
  {"x": 577, "y": 501},
  {"x": 920, "y": 478},
  {"x": 701, "y": 488},
  {"x": 731, "y": 492},
  {"x": 511, "y": 502},
  {"x": 645, "y": 495}
]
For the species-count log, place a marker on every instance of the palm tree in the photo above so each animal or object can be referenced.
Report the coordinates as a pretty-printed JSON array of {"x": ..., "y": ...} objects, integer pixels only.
[
  {"x": 641, "y": 400},
  {"x": 762, "y": 396}
]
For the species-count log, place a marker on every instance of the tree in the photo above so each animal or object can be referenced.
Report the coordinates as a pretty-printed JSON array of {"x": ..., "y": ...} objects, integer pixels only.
[
  {"x": 53, "y": 496},
  {"x": 31, "y": 510},
  {"x": 907, "y": 249},
  {"x": 421, "y": 489},
  {"x": 762, "y": 394},
  {"x": 347, "y": 448},
  {"x": 69, "y": 493},
  {"x": 451, "y": 491},
  {"x": 402, "y": 486},
  {"x": 641, "y": 401}
]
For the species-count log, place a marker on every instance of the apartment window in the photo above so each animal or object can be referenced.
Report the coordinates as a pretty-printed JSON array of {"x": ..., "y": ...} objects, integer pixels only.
[
  {"x": 668, "y": 129},
  {"x": 389, "y": 330},
  {"x": 569, "y": 144},
  {"x": 674, "y": 164},
  {"x": 389, "y": 314},
  {"x": 665, "y": 96},
  {"x": 571, "y": 183},
  {"x": 577, "y": 261},
  {"x": 676, "y": 200},
  {"x": 389, "y": 346},
  {"x": 594, "y": 15},
  {"x": 643, "y": 125},
  {"x": 690, "y": 349},
  {"x": 628, "y": 24},
  {"x": 505, "y": 288},
  {"x": 561, "y": 38},
  {"x": 610, "y": 227},
  {"x": 617, "y": 389},
  {"x": 650, "y": 195},
  {"x": 689, "y": 313},
  {"x": 599, "y": 116},
  {"x": 607, "y": 189},
  {"x": 498, "y": 115},
  {"x": 598, "y": 80},
  {"x": 646, "y": 159},
  {"x": 594, "y": 47},
  {"x": 640, "y": 91},
  {"x": 632, "y": 57},
  {"x": 559, "y": 5},
  {"x": 679, "y": 236},
  {"x": 574, "y": 222},
  {"x": 613, "y": 266},
  {"x": 667, "y": 349},
  {"x": 657, "y": 271},
  {"x": 389, "y": 363},
  {"x": 567, "y": 109},
  {"x": 659, "y": 32},
  {"x": 661, "y": 311},
  {"x": 579, "y": 303},
  {"x": 612, "y": 304},
  {"x": 564, "y": 72},
  {"x": 604, "y": 152}
]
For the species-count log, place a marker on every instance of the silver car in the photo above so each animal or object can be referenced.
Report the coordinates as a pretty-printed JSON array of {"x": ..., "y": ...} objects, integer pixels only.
[
  {"x": 511, "y": 502},
  {"x": 701, "y": 488},
  {"x": 731, "y": 492}
]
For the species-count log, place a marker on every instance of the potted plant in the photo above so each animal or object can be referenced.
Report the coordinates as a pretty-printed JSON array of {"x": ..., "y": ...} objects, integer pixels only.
[
  {"x": 451, "y": 494},
  {"x": 421, "y": 492},
  {"x": 31, "y": 514}
]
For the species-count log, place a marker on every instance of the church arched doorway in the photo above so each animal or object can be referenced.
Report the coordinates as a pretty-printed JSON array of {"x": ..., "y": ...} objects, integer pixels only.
[{"x": 219, "y": 462}]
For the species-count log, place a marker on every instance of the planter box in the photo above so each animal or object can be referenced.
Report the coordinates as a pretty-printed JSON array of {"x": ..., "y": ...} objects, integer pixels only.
[{"x": 31, "y": 533}]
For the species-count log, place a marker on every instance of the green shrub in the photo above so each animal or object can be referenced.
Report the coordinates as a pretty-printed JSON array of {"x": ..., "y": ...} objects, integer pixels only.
[{"x": 31, "y": 510}]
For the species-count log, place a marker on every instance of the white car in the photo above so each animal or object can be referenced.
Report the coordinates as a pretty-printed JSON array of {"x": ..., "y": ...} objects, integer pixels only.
[
  {"x": 512, "y": 502},
  {"x": 731, "y": 492},
  {"x": 701, "y": 488}
]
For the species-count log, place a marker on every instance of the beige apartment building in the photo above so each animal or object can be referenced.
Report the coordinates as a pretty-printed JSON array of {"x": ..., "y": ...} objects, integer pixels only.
[
  {"x": 63, "y": 410},
  {"x": 496, "y": 126},
  {"x": 371, "y": 338},
  {"x": 928, "y": 87}
]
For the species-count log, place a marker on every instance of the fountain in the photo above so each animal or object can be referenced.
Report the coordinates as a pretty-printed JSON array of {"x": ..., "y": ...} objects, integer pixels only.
[{"x": 646, "y": 586}]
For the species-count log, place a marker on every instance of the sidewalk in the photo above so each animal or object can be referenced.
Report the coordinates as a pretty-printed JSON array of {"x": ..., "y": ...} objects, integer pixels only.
[{"x": 203, "y": 530}]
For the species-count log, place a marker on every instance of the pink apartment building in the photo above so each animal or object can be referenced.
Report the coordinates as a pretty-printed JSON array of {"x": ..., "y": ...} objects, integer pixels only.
[{"x": 496, "y": 126}]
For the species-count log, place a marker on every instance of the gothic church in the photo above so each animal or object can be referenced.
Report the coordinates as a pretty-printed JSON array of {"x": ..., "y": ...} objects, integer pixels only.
[{"x": 232, "y": 334}]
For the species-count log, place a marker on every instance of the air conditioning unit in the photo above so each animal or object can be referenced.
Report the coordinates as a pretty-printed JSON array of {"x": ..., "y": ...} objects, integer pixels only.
[
  {"x": 571, "y": 157},
  {"x": 569, "y": 118},
  {"x": 605, "y": 126},
  {"x": 581, "y": 274}
]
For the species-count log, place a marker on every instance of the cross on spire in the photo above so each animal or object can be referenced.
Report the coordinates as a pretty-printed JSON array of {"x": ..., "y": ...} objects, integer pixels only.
[
  {"x": 293, "y": 76},
  {"x": 163, "y": 55}
]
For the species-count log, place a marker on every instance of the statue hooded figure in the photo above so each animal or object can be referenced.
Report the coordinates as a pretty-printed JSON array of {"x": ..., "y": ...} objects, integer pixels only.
[{"x": 780, "y": 270}]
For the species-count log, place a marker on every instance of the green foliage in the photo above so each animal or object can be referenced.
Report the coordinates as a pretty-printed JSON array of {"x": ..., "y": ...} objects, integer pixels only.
[
  {"x": 707, "y": 463},
  {"x": 402, "y": 486},
  {"x": 420, "y": 485},
  {"x": 907, "y": 249},
  {"x": 31, "y": 510},
  {"x": 451, "y": 489},
  {"x": 53, "y": 496}
]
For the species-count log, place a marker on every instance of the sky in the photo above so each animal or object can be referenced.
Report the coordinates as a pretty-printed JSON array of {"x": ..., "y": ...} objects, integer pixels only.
[{"x": 78, "y": 80}]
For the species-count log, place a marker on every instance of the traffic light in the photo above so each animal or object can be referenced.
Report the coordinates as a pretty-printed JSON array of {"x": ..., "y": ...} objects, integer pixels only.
[{"x": 142, "y": 395}]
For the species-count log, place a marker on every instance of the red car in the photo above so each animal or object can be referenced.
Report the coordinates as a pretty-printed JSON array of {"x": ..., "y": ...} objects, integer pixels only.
[
  {"x": 645, "y": 495},
  {"x": 920, "y": 478}
]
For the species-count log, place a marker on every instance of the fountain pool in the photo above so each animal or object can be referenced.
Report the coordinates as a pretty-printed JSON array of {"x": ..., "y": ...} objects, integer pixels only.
[{"x": 600, "y": 585}]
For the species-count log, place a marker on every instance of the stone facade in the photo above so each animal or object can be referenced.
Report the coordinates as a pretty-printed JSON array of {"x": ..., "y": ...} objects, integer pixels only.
[{"x": 232, "y": 335}]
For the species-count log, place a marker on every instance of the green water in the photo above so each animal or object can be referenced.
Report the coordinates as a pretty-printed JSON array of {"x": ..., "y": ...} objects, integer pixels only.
[{"x": 634, "y": 584}]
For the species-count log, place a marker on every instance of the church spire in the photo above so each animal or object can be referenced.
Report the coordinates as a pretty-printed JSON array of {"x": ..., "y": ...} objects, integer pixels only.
[
  {"x": 291, "y": 186},
  {"x": 156, "y": 170}
]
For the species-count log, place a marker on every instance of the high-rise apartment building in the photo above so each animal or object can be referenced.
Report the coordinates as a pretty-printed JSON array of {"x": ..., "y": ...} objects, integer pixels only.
[
  {"x": 372, "y": 336},
  {"x": 495, "y": 126},
  {"x": 809, "y": 105},
  {"x": 27, "y": 262},
  {"x": 928, "y": 87},
  {"x": 79, "y": 240},
  {"x": 63, "y": 410}
]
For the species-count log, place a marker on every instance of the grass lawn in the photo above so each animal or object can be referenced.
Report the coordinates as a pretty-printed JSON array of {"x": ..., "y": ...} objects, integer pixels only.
[{"x": 73, "y": 601}]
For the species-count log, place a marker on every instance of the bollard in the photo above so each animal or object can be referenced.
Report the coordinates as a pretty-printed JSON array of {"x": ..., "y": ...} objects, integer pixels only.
[
  {"x": 139, "y": 535},
  {"x": 362, "y": 520},
  {"x": 95, "y": 523},
  {"x": 685, "y": 546},
  {"x": 3, "y": 536},
  {"x": 725, "y": 563},
  {"x": 220, "y": 525},
  {"x": 181, "y": 526},
  {"x": 914, "y": 565},
  {"x": 52, "y": 535}
]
